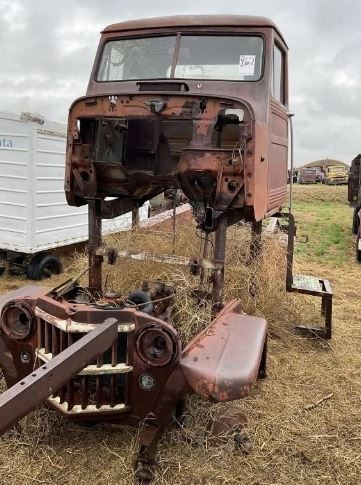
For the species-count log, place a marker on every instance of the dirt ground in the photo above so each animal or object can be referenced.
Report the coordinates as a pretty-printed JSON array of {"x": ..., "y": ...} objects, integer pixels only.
[{"x": 297, "y": 439}]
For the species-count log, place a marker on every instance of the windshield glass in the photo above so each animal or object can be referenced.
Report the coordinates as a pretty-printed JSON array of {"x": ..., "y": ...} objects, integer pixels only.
[
  {"x": 236, "y": 58},
  {"x": 149, "y": 58},
  {"x": 220, "y": 57}
]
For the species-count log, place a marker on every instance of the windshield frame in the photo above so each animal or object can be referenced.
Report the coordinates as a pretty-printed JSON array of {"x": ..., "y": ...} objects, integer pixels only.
[{"x": 178, "y": 35}]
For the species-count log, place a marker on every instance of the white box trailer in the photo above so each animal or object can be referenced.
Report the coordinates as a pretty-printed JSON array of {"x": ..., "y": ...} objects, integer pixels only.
[{"x": 34, "y": 214}]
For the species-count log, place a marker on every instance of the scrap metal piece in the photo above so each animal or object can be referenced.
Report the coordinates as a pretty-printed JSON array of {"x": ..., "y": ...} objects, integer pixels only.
[
  {"x": 222, "y": 363},
  {"x": 158, "y": 258},
  {"x": 34, "y": 389}
]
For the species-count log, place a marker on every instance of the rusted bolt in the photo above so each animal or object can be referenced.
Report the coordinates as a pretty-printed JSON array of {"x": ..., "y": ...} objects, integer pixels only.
[
  {"x": 232, "y": 186},
  {"x": 195, "y": 268},
  {"x": 25, "y": 357}
]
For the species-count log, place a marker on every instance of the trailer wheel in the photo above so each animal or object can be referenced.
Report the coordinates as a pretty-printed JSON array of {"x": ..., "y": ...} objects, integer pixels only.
[{"x": 43, "y": 265}]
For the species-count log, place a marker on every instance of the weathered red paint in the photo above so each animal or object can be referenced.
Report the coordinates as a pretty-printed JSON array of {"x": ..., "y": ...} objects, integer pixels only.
[{"x": 229, "y": 169}]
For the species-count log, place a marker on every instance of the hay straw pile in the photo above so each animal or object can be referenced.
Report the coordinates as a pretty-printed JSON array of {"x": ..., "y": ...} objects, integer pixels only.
[
  {"x": 267, "y": 273},
  {"x": 293, "y": 442}
]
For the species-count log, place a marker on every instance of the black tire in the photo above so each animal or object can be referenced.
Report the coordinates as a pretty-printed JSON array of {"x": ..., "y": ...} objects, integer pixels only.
[
  {"x": 355, "y": 221},
  {"x": 142, "y": 299},
  {"x": 43, "y": 265}
]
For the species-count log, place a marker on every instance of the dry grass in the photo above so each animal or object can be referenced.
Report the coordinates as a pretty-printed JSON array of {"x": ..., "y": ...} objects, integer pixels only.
[
  {"x": 319, "y": 192},
  {"x": 291, "y": 444}
]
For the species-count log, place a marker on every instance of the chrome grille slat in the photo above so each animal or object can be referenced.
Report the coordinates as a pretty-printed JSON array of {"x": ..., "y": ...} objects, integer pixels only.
[
  {"x": 84, "y": 392},
  {"x": 99, "y": 382},
  {"x": 47, "y": 343},
  {"x": 101, "y": 386}
]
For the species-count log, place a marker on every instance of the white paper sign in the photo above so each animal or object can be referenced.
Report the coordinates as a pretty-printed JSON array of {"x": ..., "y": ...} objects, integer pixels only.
[{"x": 247, "y": 65}]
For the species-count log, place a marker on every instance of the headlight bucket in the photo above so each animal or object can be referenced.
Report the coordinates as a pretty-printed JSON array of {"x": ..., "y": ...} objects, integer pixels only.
[
  {"x": 157, "y": 346},
  {"x": 18, "y": 321}
]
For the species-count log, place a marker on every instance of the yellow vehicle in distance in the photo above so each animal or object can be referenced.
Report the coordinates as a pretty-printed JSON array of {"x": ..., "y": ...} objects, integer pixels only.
[{"x": 335, "y": 175}]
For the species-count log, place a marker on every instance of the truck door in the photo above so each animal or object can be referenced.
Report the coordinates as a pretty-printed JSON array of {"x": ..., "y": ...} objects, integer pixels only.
[{"x": 278, "y": 161}]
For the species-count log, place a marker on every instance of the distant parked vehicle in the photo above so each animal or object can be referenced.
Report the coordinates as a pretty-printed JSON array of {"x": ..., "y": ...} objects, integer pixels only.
[
  {"x": 320, "y": 175},
  {"x": 309, "y": 176},
  {"x": 354, "y": 199},
  {"x": 336, "y": 175}
]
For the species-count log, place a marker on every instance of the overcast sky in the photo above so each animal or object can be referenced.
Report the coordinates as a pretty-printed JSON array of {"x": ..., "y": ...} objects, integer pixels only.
[{"x": 47, "y": 50}]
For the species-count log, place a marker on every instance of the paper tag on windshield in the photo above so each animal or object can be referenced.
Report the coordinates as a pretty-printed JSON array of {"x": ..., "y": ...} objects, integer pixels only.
[{"x": 247, "y": 65}]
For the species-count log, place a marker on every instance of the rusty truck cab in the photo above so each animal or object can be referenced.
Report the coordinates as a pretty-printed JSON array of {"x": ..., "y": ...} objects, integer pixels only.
[
  {"x": 197, "y": 103},
  {"x": 186, "y": 88}
]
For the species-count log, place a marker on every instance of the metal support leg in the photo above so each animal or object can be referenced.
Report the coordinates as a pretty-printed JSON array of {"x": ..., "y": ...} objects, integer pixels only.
[
  {"x": 323, "y": 306},
  {"x": 218, "y": 274},
  {"x": 255, "y": 249},
  {"x": 148, "y": 439},
  {"x": 327, "y": 305},
  {"x": 290, "y": 251},
  {"x": 256, "y": 240},
  {"x": 135, "y": 218},
  {"x": 95, "y": 240},
  {"x": 204, "y": 255},
  {"x": 174, "y": 219}
]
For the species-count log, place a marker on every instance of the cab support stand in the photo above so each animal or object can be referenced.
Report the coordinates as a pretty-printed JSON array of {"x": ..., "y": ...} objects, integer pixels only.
[{"x": 95, "y": 240}]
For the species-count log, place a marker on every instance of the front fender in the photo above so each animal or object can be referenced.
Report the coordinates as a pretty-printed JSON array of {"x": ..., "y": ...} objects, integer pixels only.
[{"x": 222, "y": 363}]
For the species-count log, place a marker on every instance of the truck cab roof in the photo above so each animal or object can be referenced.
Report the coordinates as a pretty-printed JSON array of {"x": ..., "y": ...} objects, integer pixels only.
[{"x": 187, "y": 21}]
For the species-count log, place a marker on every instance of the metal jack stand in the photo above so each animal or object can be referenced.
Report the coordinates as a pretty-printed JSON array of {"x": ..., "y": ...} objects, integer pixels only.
[{"x": 308, "y": 285}]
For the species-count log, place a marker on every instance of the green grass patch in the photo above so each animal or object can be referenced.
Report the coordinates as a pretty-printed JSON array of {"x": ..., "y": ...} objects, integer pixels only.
[{"x": 326, "y": 223}]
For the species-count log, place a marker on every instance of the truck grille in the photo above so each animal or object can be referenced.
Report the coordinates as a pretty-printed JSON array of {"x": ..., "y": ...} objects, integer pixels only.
[{"x": 102, "y": 386}]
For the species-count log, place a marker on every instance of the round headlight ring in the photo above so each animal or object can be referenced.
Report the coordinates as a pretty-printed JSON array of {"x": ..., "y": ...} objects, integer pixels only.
[
  {"x": 157, "y": 346},
  {"x": 18, "y": 321}
]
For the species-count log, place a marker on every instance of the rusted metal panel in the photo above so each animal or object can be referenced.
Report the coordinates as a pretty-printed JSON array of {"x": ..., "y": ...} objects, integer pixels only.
[
  {"x": 68, "y": 325},
  {"x": 179, "y": 21},
  {"x": 223, "y": 362},
  {"x": 278, "y": 154},
  {"x": 24, "y": 396}
]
